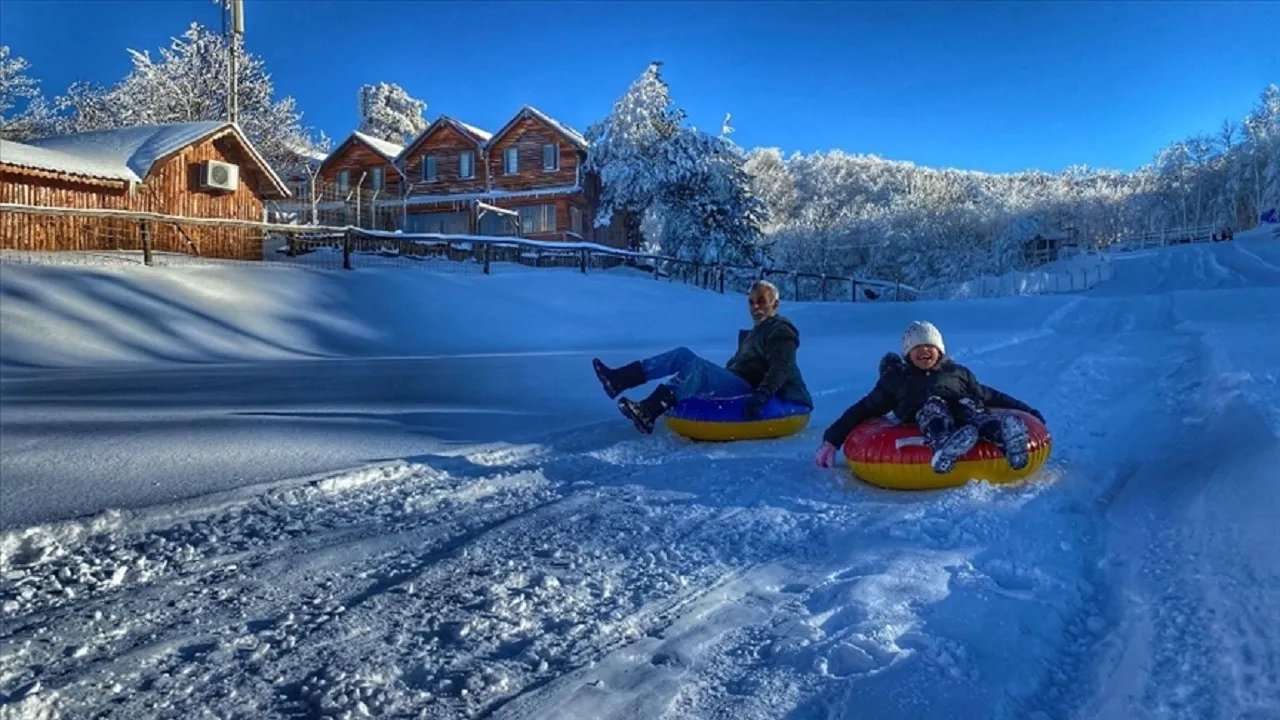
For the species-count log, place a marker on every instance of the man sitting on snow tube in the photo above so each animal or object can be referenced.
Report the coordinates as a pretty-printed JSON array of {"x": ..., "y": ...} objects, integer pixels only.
[
  {"x": 763, "y": 368},
  {"x": 943, "y": 398}
]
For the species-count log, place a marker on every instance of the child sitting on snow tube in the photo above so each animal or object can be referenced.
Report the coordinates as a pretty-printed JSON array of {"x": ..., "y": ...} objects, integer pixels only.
[{"x": 943, "y": 398}]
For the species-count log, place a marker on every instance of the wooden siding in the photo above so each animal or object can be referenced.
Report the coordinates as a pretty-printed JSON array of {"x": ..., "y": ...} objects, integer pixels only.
[
  {"x": 445, "y": 142},
  {"x": 172, "y": 188},
  {"x": 357, "y": 157},
  {"x": 528, "y": 135}
]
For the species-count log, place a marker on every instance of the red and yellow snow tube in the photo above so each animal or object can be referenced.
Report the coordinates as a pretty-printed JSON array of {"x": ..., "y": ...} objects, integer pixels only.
[{"x": 895, "y": 456}]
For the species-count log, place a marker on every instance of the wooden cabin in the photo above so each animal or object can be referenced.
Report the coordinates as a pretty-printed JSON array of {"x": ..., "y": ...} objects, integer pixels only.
[
  {"x": 359, "y": 176},
  {"x": 446, "y": 172},
  {"x": 532, "y": 168},
  {"x": 197, "y": 170},
  {"x": 536, "y": 165}
]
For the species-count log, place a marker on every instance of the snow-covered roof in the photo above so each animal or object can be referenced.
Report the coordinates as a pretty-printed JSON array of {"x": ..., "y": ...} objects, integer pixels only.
[
  {"x": 38, "y": 158},
  {"x": 127, "y": 153},
  {"x": 135, "y": 148},
  {"x": 389, "y": 150},
  {"x": 573, "y": 135},
  {"x": 484, "y": 135},
  {"x": 480, "y": 137}
]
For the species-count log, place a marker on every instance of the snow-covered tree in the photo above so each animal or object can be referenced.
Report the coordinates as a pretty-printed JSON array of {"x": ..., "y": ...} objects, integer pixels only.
[
  {"x": 707, "y": 211},
  {"x": 690, "y": 187},
  {"x": 1262, "y": 162},
  {"x": 16, "y": 86},
  {"x": 628, "y": 150},
  {"x": 188, "y": 83},
  {"x": 388, "y": 112},
  {"x": 771, "y": 182}
]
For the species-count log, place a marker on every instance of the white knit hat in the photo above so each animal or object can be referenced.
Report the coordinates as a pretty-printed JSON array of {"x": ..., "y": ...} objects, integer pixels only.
[{"x": 921, "y": 332}]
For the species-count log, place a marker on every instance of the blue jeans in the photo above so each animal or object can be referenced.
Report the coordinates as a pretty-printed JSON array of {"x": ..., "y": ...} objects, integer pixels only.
[{"x": 694, "y": 376}]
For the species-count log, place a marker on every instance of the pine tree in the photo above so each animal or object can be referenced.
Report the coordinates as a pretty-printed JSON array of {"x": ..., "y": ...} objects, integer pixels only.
[{"x": 628, "y": 151}]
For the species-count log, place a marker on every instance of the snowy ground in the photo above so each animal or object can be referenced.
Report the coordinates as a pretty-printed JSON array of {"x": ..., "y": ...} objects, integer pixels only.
[{"x": 403, "y": 495}]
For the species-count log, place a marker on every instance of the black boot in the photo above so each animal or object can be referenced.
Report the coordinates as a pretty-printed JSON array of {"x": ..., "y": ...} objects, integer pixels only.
[
  {"x": 646, "y": 412},
  {"x": 891, "y": 362},
  {"x": 616, "y": 380}
]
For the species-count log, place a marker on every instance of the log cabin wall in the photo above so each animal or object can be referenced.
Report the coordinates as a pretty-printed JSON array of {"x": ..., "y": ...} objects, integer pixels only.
[
  {"x": 358, "y": 159},
  {"x": 446, "y": 143},
  {"x": 528, "y": 135},
  {"x": 172, "y": 188}
]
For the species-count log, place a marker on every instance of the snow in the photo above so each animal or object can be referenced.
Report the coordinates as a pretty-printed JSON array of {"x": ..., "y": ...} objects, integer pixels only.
[
  {"x": 128, "y": 150},
  {"x": 263, "y": 491},
  {"x": 126, "y": 153},
  {"x": 483, "y": 135},
  {"x": 388, "y": 150},
  {"x": 28, "y": 156}
]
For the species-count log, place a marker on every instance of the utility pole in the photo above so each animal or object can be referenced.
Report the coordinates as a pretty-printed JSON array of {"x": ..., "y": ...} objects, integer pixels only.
[{"x": 235, "y": 34}]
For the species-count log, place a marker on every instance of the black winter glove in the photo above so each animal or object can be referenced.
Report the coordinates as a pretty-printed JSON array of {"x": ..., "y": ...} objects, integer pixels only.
[{"x": 755, "y": 405}]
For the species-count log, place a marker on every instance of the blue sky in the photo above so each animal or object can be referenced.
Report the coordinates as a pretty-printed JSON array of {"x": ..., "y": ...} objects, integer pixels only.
[{"x": 983, "y": 86}]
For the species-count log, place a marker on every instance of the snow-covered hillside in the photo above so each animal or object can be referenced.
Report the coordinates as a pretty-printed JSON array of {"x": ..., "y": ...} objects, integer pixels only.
[{"x": 404, "y": 495}]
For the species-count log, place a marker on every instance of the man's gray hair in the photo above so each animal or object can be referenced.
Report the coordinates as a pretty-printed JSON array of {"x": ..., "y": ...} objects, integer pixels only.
[{"x": 765, "y": 285}]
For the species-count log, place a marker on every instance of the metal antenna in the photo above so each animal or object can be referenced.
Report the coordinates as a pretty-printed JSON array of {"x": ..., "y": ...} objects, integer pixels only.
[{"x": 233, "y": 50}]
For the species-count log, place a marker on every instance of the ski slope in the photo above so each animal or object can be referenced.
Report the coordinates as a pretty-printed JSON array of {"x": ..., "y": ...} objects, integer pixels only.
[{"x": 391, "y": 494}]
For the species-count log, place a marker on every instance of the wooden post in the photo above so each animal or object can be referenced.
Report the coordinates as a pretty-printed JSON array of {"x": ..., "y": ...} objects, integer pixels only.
[
  {"x": 485, "y": 250},
  {"x": 346, "y": 250},
  {"x": 582, "y": 256},
  {"x": 853, "y": 290},
  {"x": 144, "y": 228},
  {"x": 721, "y": 279}
]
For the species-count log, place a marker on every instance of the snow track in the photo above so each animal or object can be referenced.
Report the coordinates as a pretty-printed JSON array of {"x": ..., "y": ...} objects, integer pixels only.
[{"x": 588, "y": 572}]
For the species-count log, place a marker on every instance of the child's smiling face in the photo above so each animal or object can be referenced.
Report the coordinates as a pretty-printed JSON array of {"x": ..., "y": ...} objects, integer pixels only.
[{"x": 924, "y": 356}]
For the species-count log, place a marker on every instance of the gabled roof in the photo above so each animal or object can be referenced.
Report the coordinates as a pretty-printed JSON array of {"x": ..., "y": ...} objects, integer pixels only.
[
  {"x": 529, "y": 111},
  {"x": 38, "y": 158},
  {"x": 389, "y": 150},
  {"x": 128, "y": 153},
  {"x": 473, "y": 133}
]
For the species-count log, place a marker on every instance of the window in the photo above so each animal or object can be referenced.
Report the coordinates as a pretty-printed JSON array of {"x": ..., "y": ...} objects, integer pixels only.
[
  {"x": 493, "y": 223},
  {"x": 575, "y": 220},
  {"x": 344, "y": 180},
  {"x": 452, "y": 223},
  {"x": 428, "y": 168},
  {"x": 376, "y": 178},
  {"x": 551, "y": 156},
  {"x": 466, "y": 165},
  {"x": 537, "y": 218},
  {"x": 510, "y": 161}
]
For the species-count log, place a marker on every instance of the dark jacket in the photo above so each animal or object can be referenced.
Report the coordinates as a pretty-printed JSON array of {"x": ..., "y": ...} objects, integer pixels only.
[
  {"x": 904, "y": 390},
  {"x": 766, "y": 359}
]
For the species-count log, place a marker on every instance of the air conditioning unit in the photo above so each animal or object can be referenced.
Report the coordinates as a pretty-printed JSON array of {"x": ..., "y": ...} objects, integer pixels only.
[{"x": 216, "y": 175}]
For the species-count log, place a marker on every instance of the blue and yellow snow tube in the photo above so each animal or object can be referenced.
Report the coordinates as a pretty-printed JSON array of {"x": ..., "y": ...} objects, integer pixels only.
[
  {"x": 895, "y": 456},
  {"x": 722, "y": 419}
]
